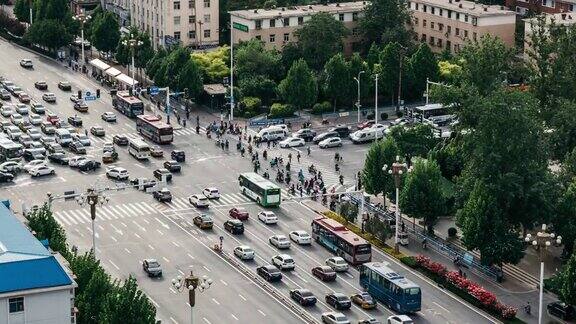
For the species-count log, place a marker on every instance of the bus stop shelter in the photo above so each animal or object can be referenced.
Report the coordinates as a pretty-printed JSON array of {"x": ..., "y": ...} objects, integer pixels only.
[
  {"x": 98, "y": 67},
  {"x": 126, "y": 81},
  {"x": 215, "y": 93}
]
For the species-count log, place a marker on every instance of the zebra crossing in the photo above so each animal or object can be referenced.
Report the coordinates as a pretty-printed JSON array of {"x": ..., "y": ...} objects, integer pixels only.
[
  {"x": 230, "y": 199},
  {"x": 109, "y": 137},
  {"x": 107, "y": 212},
  {"x": 188, "y": 131}
]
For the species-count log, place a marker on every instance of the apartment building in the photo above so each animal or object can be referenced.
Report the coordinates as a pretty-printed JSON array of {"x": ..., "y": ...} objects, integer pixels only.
[
  {"x": 36, "y": 286},
  {"x": 559, "y": 19},
  {"x": 83, "y": 5},
  {"x": 169, "y": 22},
  {"x": 449, "y": 24},
  {"x": 122, "y": 9},
  {"x": 523, "y": 7},
  {"x": 276, "y": 27}
]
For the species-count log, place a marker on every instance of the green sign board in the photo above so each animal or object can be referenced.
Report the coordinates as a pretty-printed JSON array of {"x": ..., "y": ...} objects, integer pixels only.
[{"x": 241, "y": 27}]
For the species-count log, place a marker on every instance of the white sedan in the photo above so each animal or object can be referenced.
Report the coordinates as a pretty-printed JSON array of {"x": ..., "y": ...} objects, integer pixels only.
[
  {"x": 35, "y": 120},
  {"x": 41, "y": 171},
  {"x": 74, "y": 98},
  {"x": 330, "y": 142},
  {"x": 268, "y": 217},
  {"x": 292, "y": 142},
  {"x": 75, "y": 161},
  {"x": 244, "y": 252},
  {"x": 211, "y": 193},
  {"x": 117, "y": 173},
  {"x": 338, "y": 264},
  {"x": 279, "y": 241},
  {"x": 301, "y": 237},
  {"x": 34, "y": 164},
  {"x": 109, "y": 116},
  {"x": 399, "y": 319},
  {"x": 199, "y": 201}
]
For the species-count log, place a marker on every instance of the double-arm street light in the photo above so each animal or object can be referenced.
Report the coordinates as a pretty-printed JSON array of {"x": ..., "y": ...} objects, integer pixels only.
[
  {"x": 133, "y": 43},
  {"x": 82, "y": 18},
  {"x": 358, "y": 101},
  {"x": 542, "y": 240},
  {"x": 191, "y": 283},
  {"x": 397, "y": 170},
  {"x": 93, "y": 198}
]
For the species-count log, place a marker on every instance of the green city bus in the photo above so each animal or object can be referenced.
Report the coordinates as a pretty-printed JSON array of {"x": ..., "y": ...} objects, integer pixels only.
[{"x": 259, "y": 189}]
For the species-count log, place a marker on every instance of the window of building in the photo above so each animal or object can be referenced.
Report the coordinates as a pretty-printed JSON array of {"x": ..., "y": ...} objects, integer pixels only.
[
  {"x": 417, "y": 6},
  {"x": 286, "y": 37},
  {"x": 207, "y": 18},
  {"x": 474, "y": 35},
  {"x": 465, "y": 34},
  {"x": 448, "y": 45},
  {"x": 431, "y": 25},
  {"x": 431, "y": 40},
  {"x": 258, "y": 37},
  {"x": 176, "y": 20},
  {"x": 439, "y": 42},
  {"x": 354, "y": 16},
  {"x": 548, "y": 3},
  {"x": 191, "y": 19},
  {"x": 424, "y": 8},
  {"x": 465, "y": 18},
  {"x": 571, "y": 7},
  {"x": 457, "y": 31},
  {"x": 448, "y": 29},
  {"x": 449, "y": 14},
  {"x": 192, "y": 34},
  {"x": 207, "y": 33},
  {"x": 474, "y": 21},
  {"x": 272, "y": 23},
  {"x": 191, "y": 4},
  {"x": 206, "y": 3},
  {"x": 258, "y": 24},
  {"x": 423, "y": 38},
  {"x": 272, "y": 38},
  {"x": 423, "y": 22},
  {"x": 300, "y": 21},
  {"x": 341, "y": 17},
  {"x": 440, "y": 27},
  {"x": 176, "y": 5},
  {"x": 441, "y": 12},
  {"x": 286, "y": 22},
  {"x": 355, "y": 31},
  {"x": 457, "y": 16},
  {"x": 433, "y": 10},
  {"x": 16, "y": 304},
  {"x": 416, "y": 21},
  {"x": 177, "y": 35}
]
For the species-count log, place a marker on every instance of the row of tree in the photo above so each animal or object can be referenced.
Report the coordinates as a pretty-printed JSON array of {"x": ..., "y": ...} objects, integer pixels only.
[{"x": 99, "y": 298}]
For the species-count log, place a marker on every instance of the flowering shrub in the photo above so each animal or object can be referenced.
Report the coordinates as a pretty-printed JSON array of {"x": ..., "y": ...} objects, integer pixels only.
[{"x": 485, "y": 298}]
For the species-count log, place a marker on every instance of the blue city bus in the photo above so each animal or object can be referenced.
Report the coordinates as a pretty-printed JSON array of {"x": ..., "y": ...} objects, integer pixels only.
[
  {"x": 127, "y": 104},
  {"x": 390, "y": 288}
]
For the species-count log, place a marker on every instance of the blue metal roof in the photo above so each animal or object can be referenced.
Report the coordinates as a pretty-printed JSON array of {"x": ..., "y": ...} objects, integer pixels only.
[
  {"x": 383, "y": 270},
  {"x": 24, "y": 262}
]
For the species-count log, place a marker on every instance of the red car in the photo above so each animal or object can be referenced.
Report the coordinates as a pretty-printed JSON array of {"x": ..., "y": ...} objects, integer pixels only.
[
  {"x": 325, "y": 273},
  {"x": 53, "y": 119},
  {"x": 239, "y": 213},
  {"x": 366, "y": 124}
]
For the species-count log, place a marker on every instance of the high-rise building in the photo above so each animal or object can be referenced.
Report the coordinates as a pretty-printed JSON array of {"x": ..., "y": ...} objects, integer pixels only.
[{"x": 188, "y": 22}]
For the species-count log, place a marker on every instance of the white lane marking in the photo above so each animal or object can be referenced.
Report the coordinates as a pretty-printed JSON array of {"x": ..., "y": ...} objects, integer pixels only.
[
  {"x": 243, "y": 298},
  {"x": 234, "y": 317},
  {"x": 115, "y": 266},
  {"x": 159, "y": 232},
  {"x": 136, "y": 234},
  {"x": 172, "y": 290},
  {"x": 176, "y": 244},
  {"x": 166, "y": 259},
  {"x": 224, "y": 282},
  {"x": 261, "y": 312},
  {"x": 181, "y": 272},
  {"x": 443, "y": 308},
  {"x": 113, "y": 238},
  {"x": 151, "y": 247},
  {"x": 215, "y": 301},
  {"x": 206, "y": 320},
  {"x": 127, "y": 251},
  {"x": 190, "y": 255},
  {"x": 349, "y": 275},
  {"x": 205, "y": 267},
  {"x": 154, "y": 302},
  {"x": 173, "y": 320}
]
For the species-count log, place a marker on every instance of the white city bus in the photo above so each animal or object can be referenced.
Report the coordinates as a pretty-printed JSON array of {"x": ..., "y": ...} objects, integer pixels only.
[{"x": 139, "y": 149}]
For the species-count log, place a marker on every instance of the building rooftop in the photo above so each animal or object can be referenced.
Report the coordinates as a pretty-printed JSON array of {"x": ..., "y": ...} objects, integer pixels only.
[
  {"x": 560, "y": 19},
  {"x": 24, "y": 262},
  {"x": 296, "y": 11},
  {"x": 468, "y": 7}
]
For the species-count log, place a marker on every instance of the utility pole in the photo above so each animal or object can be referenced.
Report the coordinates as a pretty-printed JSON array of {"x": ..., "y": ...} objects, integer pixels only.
[
  {"x": 358, "y": 102},
  {"x": 133, "y": 43},
  {"x": 397, "y": 170},
  {"x": 231, "y": 72},
  {"x": 82, "y": 18},
  {"x": 402, "y": 49},
  {"x": 191, "y": 283},
  {"x": 376, "y": 102}
]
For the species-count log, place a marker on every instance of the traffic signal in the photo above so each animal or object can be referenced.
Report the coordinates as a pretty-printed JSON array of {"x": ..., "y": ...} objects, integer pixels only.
[
  {"x": 79, "y": 94},
  {"x": 97, "y": 93}
]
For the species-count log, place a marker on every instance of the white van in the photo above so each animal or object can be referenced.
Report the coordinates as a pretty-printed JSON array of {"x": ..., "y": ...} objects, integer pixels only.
[
  {"x": 139, "y": 149},
  {"x": 63, "y": 137},
  {"x": 366, "y": 135},
  {"x": 272, "y": 133}
]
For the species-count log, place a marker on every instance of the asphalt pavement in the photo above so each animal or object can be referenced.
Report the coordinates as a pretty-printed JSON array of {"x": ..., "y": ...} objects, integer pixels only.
[{"x": 133, "y": 226}]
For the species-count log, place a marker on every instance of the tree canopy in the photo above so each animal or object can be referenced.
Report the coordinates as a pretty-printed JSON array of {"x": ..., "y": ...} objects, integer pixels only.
[
  {"x": 105, "y": 33},
  {"x": 384, "y": 21},
  {"x": 299, "y": 88},
  {"x": 376, "y": 181}
]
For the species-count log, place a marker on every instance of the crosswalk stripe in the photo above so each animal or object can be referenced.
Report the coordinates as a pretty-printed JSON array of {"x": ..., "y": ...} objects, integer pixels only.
[
  {"x": 60, "y": 217},
  {"x": 66, "y": 216},
  {"x": 109, "y": 212},
  {"x": 225, "y": 199},
  {"x": 139, "y": 209},
  {"x": 232, "y": 198},
  {"x": 152, "y": 210},
  {"x": 120, "y": 215},
  {"x": 103, "y": 214},
  {"x": 128, "y": 211},
  {"x": 179, "y": 203},
  {"x": 77, "y": 217}
]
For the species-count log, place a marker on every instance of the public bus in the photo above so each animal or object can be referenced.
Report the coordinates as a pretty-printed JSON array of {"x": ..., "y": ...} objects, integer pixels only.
[
  {"x": 259, "y": 189},
  {"x": 341, "y": 241},
  {"x": 390, "y": 288},
  {"x": 139, "y": 149},
  {"x": 427, "y": 111},
  {"x": 127, "y": 104},
  {"x": 153, "y": 128},
  {"x": 10, "y": 150}
]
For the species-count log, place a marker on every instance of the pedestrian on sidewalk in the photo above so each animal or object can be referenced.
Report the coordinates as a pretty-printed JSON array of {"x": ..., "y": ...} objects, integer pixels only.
[
  {"x": 298, "y": 156},
  {"x": 308, "y": 150},
  {"x": 268, "y": 142}
]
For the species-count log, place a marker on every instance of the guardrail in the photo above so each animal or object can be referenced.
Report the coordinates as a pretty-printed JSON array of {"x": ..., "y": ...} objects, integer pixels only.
[{"x": 437, "y": 244}]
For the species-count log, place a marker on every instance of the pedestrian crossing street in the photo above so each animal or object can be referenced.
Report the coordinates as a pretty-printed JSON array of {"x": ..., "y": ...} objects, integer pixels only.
[
  {"x": 190, "y": 130},
  {"x": 106, "y": 212}
]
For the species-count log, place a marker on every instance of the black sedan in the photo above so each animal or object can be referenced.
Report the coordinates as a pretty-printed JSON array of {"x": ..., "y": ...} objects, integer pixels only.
[
  {"x": 269, "y": 272},
  {"x": 120, "y": 140},
  {"x": 178, "y": 155},
  {"x": 88, "y": 165},
  {"x": 41, "y": 85},
  {"x": 58, "y": 158},
  {"x": 303, "y": 297},
  {"x": 172, "y": 166},
  {"x": 64, "y": 86},
  {"x": 6, "y": 177},
  {"x": 75, "y": 121},
  {"x": 338, "y": 301},
  {"x": 322, "y": 136}
]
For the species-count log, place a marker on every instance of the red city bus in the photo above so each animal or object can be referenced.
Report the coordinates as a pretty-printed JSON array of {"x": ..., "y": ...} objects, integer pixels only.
[
  {"x": 341, "y": 241},
  {"x": 153, "y": 128}
]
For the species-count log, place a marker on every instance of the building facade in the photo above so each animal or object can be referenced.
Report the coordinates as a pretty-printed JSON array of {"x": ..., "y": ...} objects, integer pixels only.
[
  {"x": 559, "y": 19},
  {"x": 276, "y": 27},
  {"x": 523, "y": 7},
  {"x": 122, "y": 9},
  {"x": 169, "y": 22},
  {"x": 36, "y": 287},
  {"x": 449, "y": 24}
]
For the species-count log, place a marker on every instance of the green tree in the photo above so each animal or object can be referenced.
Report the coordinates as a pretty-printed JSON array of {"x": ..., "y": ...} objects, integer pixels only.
[
  {"x": 213, "y": 64},
  {"x": 337, "y": 85},
  {"x": 106, "y": 32},
  {"x": 190, "y": 78},
  {"x": 56, "y": 9},
  {"x": 128, "y": 304},
  {"x": 565, "y": 218},
  {"x": 449, "y": 156},
  {"x": 385, "y": 21},
  {"x": 290, "y": 54},
  {"x": 299, "y": 87},
  {"x": 421, "y": 66},
  {"x": 258, "y": 86},
  {"x": 373, "y": 56},
  {"x": 321, "y": 26},
  {"x": 414, "y": 141},
  {"x": 43, "y": 223},
  {"x": 421, "y": 195},
  {"x": 356, "y": 65},
  {"x": 568, "y": 168},
  {"x": 389, "y": 66},
  {"x": 83, "y": 266},
  {"x": 48, "y": 33},
  {"x": 91, "y": 300},
  {"x": 175, "y": 62},
  {"x": 349, "y": 211},
  {"x": 252, "y": 59},
  {"x": 562, "y": 138},
  {"x": 568, "y": 282},
  {"x": 22, "y": 10},
  {"x": 375, "y": 180},
  {"x": 142, "y": 54},
  {"x": 154, "y": 64}
]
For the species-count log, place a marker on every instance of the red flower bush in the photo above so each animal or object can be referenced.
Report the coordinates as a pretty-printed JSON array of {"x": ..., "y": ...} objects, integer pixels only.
[{"x": 487, "y": 299}]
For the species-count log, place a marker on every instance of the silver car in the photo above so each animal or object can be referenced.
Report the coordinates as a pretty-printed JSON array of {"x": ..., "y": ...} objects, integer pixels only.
[{"x": 279, "y": 241}]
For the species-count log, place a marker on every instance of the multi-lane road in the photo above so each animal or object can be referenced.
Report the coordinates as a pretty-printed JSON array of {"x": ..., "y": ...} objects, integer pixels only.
[{"x": 133, "y": 226}]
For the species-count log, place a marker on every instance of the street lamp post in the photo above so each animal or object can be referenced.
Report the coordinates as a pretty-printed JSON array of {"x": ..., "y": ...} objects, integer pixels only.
[
  {"x": 402, "y": 49},
  {"x": 92, "y": 198},
  {"x": 133, "y": 43},
  {"x": 191, "y": 283},
  {"x": 231, "y": 72},
  {"x": 82, "y": 18},
  {"x": 376, "y": 102},
  {"x": 358, "y": 102},
  {"x": 397, "y": 170},
  {"x": 542, "y": 240}
]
